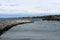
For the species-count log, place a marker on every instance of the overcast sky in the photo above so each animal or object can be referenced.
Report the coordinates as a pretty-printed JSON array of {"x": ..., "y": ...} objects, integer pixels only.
[{"x": 29, "y": 6}]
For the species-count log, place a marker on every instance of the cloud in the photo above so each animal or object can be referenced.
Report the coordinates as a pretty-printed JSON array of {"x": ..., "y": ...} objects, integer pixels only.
[{"x": 29, "y": 6}]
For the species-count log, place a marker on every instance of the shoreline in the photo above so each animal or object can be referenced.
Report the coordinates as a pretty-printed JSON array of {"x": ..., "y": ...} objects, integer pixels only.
[
  {"x": 51, "y": 17},
  {"x": 12, "y": 23}
]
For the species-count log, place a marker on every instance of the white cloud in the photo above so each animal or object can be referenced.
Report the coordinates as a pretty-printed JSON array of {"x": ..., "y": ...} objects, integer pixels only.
[{"x": 29, "y": 6}]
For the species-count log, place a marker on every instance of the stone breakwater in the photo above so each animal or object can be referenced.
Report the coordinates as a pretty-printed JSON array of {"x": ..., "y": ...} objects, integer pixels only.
[{"x": 8, "y": 24}]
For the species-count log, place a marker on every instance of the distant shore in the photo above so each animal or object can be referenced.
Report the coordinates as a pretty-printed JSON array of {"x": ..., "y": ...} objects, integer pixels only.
[{"x": 51, "y": 17}]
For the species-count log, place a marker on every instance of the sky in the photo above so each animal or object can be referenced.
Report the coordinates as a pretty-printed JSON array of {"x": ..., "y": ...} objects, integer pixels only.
[{"x": 30, "y": 6}]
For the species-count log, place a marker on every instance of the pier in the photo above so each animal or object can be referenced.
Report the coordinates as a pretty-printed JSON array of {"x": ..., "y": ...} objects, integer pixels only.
[{"x": 8, "y": 24}]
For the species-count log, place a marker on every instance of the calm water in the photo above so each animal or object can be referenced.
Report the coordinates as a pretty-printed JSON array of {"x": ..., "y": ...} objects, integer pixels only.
[{"x": 39, "y": 30}]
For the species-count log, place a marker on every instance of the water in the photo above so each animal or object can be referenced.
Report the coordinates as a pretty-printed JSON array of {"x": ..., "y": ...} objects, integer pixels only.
[{"x": 39, "y": 30}]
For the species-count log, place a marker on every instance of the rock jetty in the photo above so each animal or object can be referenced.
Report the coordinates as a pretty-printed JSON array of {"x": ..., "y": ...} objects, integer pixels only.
[{"x": 8, "y": 24}]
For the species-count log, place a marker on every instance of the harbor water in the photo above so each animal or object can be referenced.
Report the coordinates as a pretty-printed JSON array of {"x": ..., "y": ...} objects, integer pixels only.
[{"x": 39, "y": 30}]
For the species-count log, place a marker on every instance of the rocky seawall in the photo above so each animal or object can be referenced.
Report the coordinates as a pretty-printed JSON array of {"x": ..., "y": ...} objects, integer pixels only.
[{"x": 8, "y": 24}]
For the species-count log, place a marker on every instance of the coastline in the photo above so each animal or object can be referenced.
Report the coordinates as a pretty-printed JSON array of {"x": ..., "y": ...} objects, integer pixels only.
[{"x": 9, "y": 24}]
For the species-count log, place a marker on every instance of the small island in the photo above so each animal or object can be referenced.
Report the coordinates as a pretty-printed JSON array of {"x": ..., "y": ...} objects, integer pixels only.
[{"x": 51, "y": 17}]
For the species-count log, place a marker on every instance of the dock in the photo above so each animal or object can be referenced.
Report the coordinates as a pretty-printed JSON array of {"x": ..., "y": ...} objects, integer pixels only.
[{"x": 8, "y": 24}]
